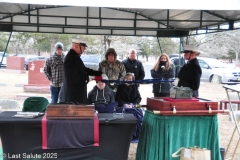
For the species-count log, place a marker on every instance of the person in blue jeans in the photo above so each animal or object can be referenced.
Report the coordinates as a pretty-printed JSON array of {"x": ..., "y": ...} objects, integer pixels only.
[{"x": 53, "y": 70}]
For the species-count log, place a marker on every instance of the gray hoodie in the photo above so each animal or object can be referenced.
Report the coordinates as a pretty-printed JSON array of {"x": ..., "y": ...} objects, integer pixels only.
[{"x": 101, "y": 97}]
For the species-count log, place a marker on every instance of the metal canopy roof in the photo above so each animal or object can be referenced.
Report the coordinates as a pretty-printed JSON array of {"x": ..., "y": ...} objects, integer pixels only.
[{"x": 19, "y": 17}]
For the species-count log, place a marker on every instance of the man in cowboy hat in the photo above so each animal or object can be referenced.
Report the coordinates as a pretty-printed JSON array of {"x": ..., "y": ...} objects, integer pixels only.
[
  {"x": 76, "y": 74},
  {"x": 190, "y": 73}
]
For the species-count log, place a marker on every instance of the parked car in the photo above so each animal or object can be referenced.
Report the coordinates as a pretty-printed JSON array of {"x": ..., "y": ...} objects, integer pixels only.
[
  {"x": 214, "y": 70},
  {"x": 31, "y": 59},
  {"x": 4, "y": 61},
  {"x": 174, "y": 55},
  {"x": 91, "y": 61}
]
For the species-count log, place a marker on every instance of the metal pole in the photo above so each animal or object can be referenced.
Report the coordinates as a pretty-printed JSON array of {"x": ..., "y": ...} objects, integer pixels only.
[
  {"x": 159, "y": 45},
  {"x": 180, "y": 46},
  {"x": 236, "y": 124},
  {"x": 5, "y": 49}
]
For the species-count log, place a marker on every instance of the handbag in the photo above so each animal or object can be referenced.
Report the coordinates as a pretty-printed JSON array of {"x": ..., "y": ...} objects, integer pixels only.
[{"x": 193, "y": 153}]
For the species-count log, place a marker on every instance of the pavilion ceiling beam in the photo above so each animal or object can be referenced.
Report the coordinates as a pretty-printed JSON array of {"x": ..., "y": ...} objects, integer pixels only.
[
  {"x": 216, "y": 15},
  {"x": 150, "y": 19},
  {"x": 29, "y": 19}
]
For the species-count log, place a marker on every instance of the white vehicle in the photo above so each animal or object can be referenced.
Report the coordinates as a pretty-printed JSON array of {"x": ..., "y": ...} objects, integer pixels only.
[
  {"x": 91, "y": 61},
  {"x": 4, "y": 60},
  {"x": 215, "y": 70}
]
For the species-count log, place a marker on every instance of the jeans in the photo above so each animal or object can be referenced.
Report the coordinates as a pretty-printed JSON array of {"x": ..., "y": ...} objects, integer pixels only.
[
  {"x": 195, "y": 93},
  {"x": 54, "y": 93}
]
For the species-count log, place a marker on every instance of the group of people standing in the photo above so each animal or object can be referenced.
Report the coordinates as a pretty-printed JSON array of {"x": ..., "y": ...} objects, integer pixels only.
[{"x": 69, "y": 76}]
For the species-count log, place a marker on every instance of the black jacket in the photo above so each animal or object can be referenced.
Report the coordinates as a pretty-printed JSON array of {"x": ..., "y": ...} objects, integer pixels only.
[
  {"x": 101, "y": 97},
  {"x": 178, "y": 62},
  {"x": 190, "y": 74},
  {"x": 165, "y": 74},
  {"x": 127, "y": 94},
  {"x": 135, "y": 67},
  {"x": 76, "y": 78}
]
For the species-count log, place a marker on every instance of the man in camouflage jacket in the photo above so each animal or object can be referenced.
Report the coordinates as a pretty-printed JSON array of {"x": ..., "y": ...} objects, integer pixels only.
[{"x": 113, "y": 68}]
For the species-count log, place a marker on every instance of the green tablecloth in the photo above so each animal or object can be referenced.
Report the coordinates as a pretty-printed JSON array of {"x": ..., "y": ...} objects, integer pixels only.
[{"x": 163, "y": 135}]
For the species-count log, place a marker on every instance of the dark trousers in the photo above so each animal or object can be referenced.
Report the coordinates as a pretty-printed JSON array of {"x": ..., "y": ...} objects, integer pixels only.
[
  {"x": 54, "y": 93},
  {"x": 161, "y": 94},
  {"x": 195, "y": 93}
]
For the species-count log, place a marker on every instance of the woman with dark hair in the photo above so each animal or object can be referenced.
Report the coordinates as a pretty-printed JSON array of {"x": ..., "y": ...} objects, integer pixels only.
[
  {"x": 128, "y": 97},
  {"x": 162, "y": 69}
]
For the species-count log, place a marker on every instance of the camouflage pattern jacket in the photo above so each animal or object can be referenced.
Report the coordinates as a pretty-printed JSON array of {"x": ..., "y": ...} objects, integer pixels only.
[{"x": 114, "y": 70}]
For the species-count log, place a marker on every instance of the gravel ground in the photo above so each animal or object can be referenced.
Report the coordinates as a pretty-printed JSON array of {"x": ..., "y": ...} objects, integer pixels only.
[{"x": 11, "y": 85}]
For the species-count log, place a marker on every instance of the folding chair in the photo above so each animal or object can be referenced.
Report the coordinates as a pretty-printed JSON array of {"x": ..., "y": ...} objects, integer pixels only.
[{"x": 35, "y": 104}]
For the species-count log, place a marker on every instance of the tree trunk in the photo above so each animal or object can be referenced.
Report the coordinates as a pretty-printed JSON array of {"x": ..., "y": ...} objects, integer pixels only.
[
  {"x": 109, "y": 43},
  {"x": 52, "y": 45},
  {"x": 105, "y": 43},
  {"x": 237, "y": 57}
]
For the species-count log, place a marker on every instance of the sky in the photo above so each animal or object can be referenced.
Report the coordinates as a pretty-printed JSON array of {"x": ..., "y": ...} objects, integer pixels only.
[{"x": 150, "y": 4}]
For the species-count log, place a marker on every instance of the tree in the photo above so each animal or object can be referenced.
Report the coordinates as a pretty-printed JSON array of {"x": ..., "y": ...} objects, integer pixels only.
[
  {"x": 146, "y": 46},
  {"x": 45, "y": 42},
  {"x": 94, "y": 44},
  {"x": 232, "y": 42},
  {"x": 3, "y": 40},
  {"x": 219, "y": 45},
  {"x": 149, "y": 46},
  {"x": 21, "y": 42},
  {"x": 209, "y": 45},
  {"x": 168, "y": 45}
]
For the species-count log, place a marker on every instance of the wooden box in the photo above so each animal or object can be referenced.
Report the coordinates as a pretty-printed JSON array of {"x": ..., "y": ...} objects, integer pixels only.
[
  {"x": 69, "y": 111},
  {"x": 182, "y": 107}
]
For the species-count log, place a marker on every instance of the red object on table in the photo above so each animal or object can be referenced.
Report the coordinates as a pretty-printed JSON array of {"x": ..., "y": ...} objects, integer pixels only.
[
  {"x": 180, "y": 100},
  {"x": 191, "y": 112},
  {"x": 189, "y": 106}
]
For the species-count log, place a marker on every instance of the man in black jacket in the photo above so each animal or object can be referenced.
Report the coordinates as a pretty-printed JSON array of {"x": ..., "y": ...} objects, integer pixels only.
[
  {"x": 76, "y": 74},
  {"x": 132, "y": 65},
  {"x": 190, "y": 73}
]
